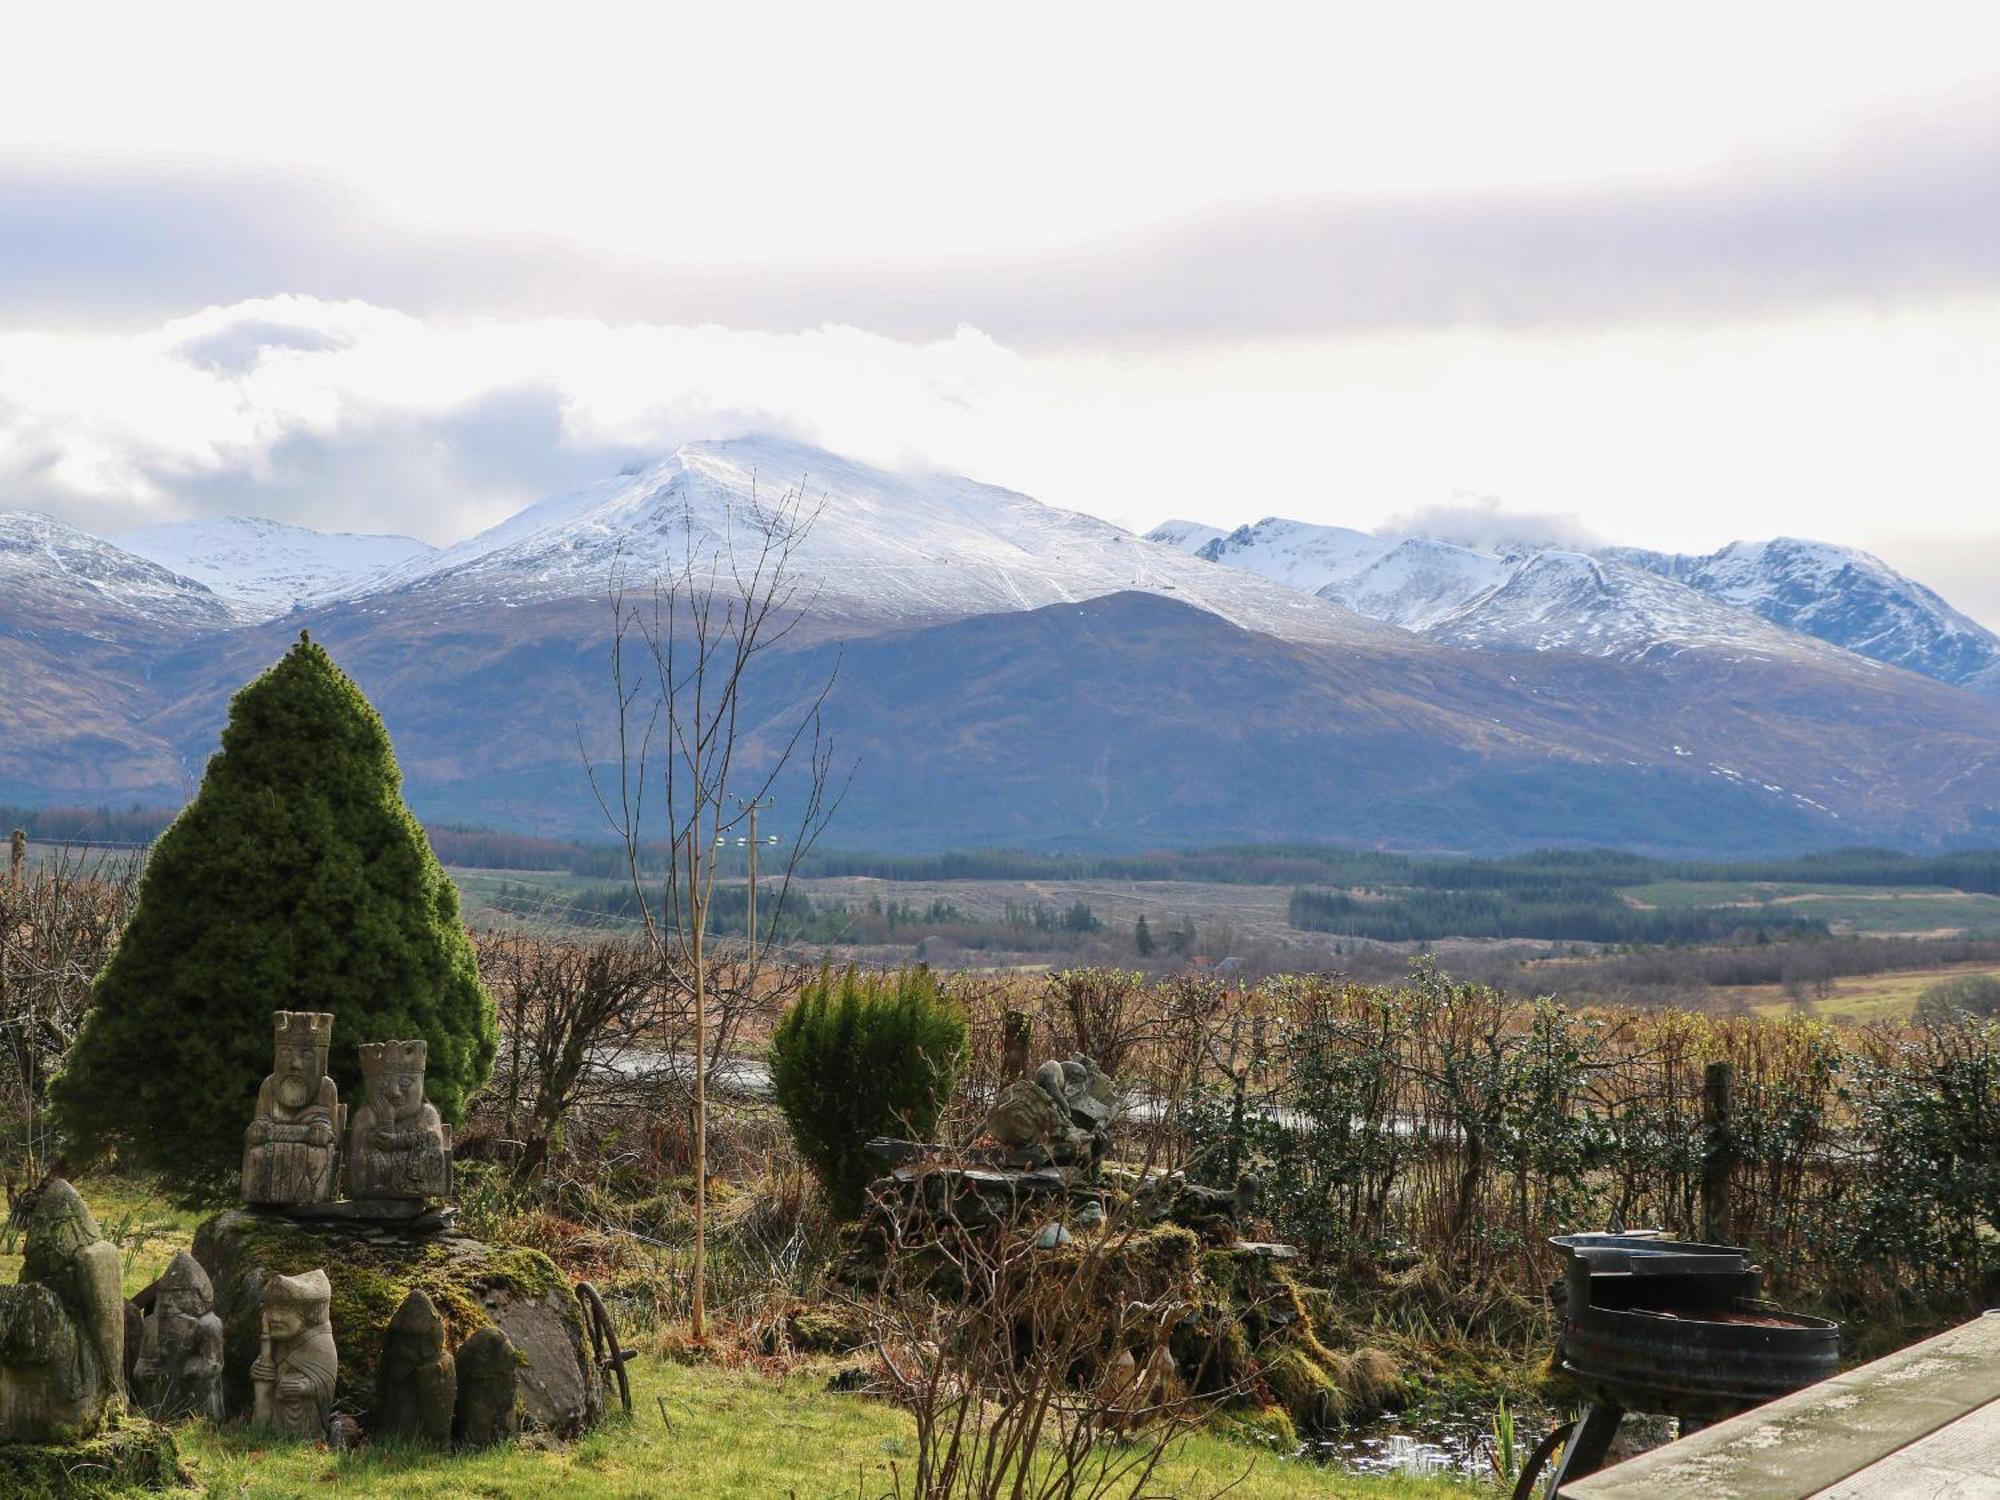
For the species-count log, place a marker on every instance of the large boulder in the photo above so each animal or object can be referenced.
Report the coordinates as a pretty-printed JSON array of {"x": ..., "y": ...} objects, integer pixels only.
[{"x": 373, "y": 1269}]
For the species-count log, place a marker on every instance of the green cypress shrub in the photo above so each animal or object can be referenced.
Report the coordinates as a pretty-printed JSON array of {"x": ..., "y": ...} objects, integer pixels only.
[
  {"x": 295, "y": 880},
  {"x": 861, "y": 1056}
]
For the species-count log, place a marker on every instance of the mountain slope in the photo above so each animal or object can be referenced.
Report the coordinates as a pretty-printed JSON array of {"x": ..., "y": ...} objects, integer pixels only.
[
  {"x": 1841, "y": 595},
  {"x": 883, "y": 549},
  {"x": 264, "y": 568}
]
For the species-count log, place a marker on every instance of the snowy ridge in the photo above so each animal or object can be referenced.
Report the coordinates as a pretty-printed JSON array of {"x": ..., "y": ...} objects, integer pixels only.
[
  {"x": 1418, "y": 582},
  {"x": 882, "y": 547},
  {"x": 1842, "y": 595},
  {"x": 1295, "y": 553},
  {"x": 265, "y": 568},
  {"x": 47, "y": 568},
  {"x": 1589, "y": 606},
  {"x": 1185, "y": 536}
]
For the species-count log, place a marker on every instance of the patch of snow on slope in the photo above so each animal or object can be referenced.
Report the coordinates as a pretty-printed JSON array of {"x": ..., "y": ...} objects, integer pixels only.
[
  {"x": 58, "y": 567},
  {"x": 1297, "y": 554},
  {"x": 267, "y": 567},
  {"x": 1184, "y": 536},
  {"x": 1420, "y": 581}
]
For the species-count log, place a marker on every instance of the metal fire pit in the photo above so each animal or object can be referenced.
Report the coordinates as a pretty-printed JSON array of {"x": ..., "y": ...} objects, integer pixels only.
[{"x": 1651, "y": 1324}]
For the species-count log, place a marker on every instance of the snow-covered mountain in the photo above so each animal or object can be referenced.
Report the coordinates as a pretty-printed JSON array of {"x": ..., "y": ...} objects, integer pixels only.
[
  {"x": 1842, "y": 595},
  {"x": 54, "y": 575},
  {"x": 881, "y": 548},
  {"x": 1591, "y": 606},
  {"x": 266, "y": 568},
  {"x": 1763, "y": 597}
]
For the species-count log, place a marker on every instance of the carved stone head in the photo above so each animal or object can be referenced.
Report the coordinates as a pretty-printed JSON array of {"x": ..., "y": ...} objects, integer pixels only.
[
  {"x": 185, "y": 1290},
  {"x": 301, "y": 1038},
  {"x": 392, "y": 1076},
  {"x": 60, "y": 1228},
  {"x": 416, "y": 1332},
  {"x": 296, "y": 1304}
]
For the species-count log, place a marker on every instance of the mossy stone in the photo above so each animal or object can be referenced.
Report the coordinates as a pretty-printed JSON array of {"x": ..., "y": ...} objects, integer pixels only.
[
  {"x": 470, "y": 1283},
  {"x": 134, "y": 1455}
]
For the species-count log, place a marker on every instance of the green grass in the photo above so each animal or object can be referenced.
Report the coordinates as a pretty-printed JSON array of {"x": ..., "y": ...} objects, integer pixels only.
[
  {"x": 733, "y": 1434},
  {"x": 1861, "y": 999},
  {"x": 1845, "y": 908}
]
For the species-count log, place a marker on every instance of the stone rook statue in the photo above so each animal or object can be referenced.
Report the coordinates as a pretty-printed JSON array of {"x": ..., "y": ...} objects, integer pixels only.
[
  {"x": 62, "y": 1329},
  {"x": 292, "y": 1378},
  {"x": 179, "y": 1370},
  {"x": 290, "y": 1149},
  {"x": 396, "y": 1148},
  {"x": 488, "y": 1369},
  {"x": 416, "y": 1385}
]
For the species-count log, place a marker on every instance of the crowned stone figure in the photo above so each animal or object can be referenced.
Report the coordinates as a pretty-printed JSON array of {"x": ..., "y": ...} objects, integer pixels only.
[
  {"x": 290, "y": 1149},
  {"x": 62, "y": 1329},
  {"x": 396, "y": 1148},
  {"x": 292, "y": 1378},
  {"x": 179, "y": 1370}
]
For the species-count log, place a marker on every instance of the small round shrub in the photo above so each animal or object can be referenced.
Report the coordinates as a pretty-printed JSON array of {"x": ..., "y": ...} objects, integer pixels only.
[{"x": 860, "y": 1056}]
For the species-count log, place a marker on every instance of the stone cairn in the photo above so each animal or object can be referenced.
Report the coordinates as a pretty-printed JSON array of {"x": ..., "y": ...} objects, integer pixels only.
[
  {"x": 178, "y": 1372},
  {"x": 296, "y": 1364},
  {"x": 62, "y": 1328}
]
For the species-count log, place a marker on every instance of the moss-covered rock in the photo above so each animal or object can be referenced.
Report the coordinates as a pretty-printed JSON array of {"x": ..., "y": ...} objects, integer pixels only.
[
  {"x": 134, "y": 1455},
  {"x": 470, "y": 1283}
]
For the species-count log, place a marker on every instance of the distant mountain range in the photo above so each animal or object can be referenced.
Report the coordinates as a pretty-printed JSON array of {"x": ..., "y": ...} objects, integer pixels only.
[
  {"x": 1619, "y": 601},
  {"x": 1011, "y": 673}
]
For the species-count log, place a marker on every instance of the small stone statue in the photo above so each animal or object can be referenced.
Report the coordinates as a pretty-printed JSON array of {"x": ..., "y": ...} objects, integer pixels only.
[
  {"x": 179, "y": 1370},
  {"x": 292, "y": 1378},
  {"x": 416, "y": 1385},
  {"x": 62, "y": 1328},
  {"x": 1063, "y": 1116},
  {"x": 488, "y": 1368},
  {"x": 396, "y": 1148},
  {"x": 291, "y": 1146}
]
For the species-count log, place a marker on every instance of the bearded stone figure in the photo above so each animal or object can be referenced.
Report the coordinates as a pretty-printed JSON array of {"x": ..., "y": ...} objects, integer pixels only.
[
  {"x": 62, "y": 1329},
  {"x": 291, "y": 1147},
  {"x": 293, "y": 1376},
  {"x": 396, "y": 1148},
  {"x": 179, "y": 1371}
]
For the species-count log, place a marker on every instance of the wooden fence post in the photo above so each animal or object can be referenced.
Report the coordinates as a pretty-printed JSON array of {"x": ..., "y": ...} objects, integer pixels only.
[
  {"x": 1718, "y": 1152},
  {"x": 17, "y": 855}
]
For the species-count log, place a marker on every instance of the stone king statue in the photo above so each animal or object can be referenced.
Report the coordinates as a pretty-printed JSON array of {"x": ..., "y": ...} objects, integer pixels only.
[
  {"x": 292, "y": 1378},
  {"x": 290, "y": 1148},
  {"x": 396, "y": 1147},
  {"x": 179, "y": 1370}
]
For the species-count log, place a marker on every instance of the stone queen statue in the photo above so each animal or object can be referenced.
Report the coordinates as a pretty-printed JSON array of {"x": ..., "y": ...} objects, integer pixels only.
[
  {"x": 396, "y": 1148},
  {"x": 291, "y": 1147}
]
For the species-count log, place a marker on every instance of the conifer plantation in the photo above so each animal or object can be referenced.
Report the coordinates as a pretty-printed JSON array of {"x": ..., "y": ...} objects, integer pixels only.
[{"x": 297, "y": 879}]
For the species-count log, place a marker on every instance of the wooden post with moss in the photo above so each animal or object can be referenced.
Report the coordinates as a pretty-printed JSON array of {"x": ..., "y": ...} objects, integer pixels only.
[{"x": 1718, "y": 1151}]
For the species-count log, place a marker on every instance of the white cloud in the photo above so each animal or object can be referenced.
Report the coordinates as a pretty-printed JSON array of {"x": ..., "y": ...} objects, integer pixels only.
[{"x": 359, "y": 417}]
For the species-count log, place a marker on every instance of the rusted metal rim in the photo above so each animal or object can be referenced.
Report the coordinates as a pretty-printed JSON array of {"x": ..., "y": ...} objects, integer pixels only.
[{"x": 609, "y": 1354}]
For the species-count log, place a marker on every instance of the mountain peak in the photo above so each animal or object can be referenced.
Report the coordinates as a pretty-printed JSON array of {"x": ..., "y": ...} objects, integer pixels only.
[{"x": 263, "y": 567}]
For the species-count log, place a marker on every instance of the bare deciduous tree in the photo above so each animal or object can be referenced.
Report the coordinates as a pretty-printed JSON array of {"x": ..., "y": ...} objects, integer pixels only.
[{"x": 683, "y": 654}]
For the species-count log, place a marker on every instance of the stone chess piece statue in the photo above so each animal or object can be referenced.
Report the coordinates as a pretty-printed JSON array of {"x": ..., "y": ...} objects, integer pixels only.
[
  {"x": 416, "y": 1383},
  {"x": 396, "y": 1148},
  {"x": 488, "y": 1369},
  {"x": 62, "y": 1327},
  {"x": 179, "y": 1370},
  {"x": 293, "y": 1144},
  {"x": 292, "y": 1378}
]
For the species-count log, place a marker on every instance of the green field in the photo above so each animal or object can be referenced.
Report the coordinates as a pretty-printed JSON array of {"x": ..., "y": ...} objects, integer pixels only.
[
  {"x": 1860, "y": 909},
  {"x": 1861, "y": 999}
]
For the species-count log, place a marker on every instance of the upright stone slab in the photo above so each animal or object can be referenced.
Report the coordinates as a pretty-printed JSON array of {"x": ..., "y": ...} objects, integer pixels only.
[
  {"x": 62, "y": 1328},
  {"x": 488, "y": 1367},
  {"x": 178, "y": 1373},
  {"x": 296, "y": 1363},
  {"x": 416, "y": 1384},
  {"x": 292, "y": 1145},
  {"x": 396, "y": 1148}
]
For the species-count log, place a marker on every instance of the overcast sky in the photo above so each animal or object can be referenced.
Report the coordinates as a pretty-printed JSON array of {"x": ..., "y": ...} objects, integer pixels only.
[{"x": 1665, "y": 277}]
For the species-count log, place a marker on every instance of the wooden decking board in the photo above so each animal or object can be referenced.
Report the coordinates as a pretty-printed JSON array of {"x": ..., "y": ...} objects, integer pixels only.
[
  {"x": 1959, "y": 1462},
  {"x": 1802, "y": 1445}
]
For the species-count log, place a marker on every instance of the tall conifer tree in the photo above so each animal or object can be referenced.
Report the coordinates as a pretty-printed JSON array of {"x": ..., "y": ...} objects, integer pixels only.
[{"x": 295, "y": 880}]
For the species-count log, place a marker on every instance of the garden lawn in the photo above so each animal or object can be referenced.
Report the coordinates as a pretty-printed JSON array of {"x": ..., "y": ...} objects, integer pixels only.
[{"x": 732, "y": 1434}]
